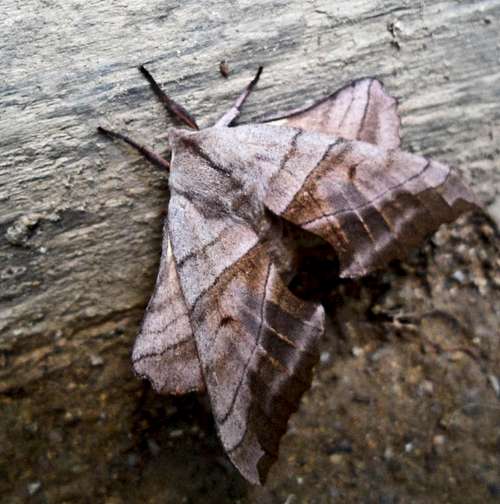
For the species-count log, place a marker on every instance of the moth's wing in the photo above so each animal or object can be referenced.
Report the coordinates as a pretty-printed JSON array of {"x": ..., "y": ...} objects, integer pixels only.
[
  {"x": 363, "y": 110},
  {"x": 371, "y": 204},
  {"x": 256, "y": 341},
  {"x": 165, "y": 350},
  {"x": 258, "y": 344}
]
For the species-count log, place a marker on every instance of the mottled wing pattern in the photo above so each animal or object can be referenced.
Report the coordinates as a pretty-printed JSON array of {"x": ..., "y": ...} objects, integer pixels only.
[
  {"x": 165, "y": 351},
  {"x": 363, "y": 110},
  {"x": 256, "y": 341},
  {"x": 371, "y": 204}
]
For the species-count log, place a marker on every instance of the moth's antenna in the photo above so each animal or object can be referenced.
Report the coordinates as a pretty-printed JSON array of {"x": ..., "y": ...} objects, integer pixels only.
[
  {"x": 148, "y": 153},
  {"x": 174, "y": 108},
  {"x": 235, "y": 110}
]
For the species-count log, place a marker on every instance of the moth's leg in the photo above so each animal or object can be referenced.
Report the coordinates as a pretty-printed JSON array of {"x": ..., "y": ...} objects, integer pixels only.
[
  {"x": 174, "y": 108},
  {"x": 145, "y": 151},
  {"x": 235, "y": 110}
]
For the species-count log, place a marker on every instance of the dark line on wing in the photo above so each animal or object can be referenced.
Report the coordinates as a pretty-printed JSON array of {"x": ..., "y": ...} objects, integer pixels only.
[
  {"x": 198, "y": 151},
  {"x": 279, "y": 336},
  {"x": 257, "y": 342},
  {"x": 167, "y": 325},
  {"x": 282, "y": 337},
  {"x": 263, "y": 448},
  {"x": 360, "y": 218},
  {"x": 181, "y": 288},
  {"x": 366, "y": 205},
  {"x": 392, "y": 226},
  {"x": 216, "y": 280},
  {"x": 342, "y": 238},
  {"x": 211, "y": 209},
  {"x": 323, "y": 157},
  {"x": 245, "y": 430},
  {"x": 240, "y": 442},
  {"x": 200, "y": 250},
  {"x": 302, "y": 110},
  {"x": 365, "y": 111},
  {"x": 277, "y": 364},
  {"x": 348, "y": 109},
  {"x": 291, "y": 150},
  {"x": 441, "y": 185},
  {"x": 165, "y": 350},
  {"x": 282, "y": 425}
]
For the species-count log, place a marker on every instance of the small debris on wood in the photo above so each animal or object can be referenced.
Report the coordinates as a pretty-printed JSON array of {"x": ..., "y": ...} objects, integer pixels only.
[
  {"x": 439, "y": 445},
  {"x": 426, "y": 388},
  {"x": 357, "y": 351},
  {"x": 459, "y": 276},
  {"x": 224, "y": 69},
  {"x": 394, "y": 28},
  {"x": 20, "y": 231}
]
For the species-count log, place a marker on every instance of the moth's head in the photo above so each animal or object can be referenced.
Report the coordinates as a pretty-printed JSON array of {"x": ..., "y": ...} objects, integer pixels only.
[
  {"x": 177, "y": 136},
  {"x": 183, "y": 142}
]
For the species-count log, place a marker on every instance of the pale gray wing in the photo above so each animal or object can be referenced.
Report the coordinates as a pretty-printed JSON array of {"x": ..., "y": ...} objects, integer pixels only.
[{"x": 165, "y": 350}]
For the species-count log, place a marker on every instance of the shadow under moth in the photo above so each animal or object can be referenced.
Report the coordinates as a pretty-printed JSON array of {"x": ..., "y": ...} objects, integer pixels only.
[{"x": 222, "y": 318}]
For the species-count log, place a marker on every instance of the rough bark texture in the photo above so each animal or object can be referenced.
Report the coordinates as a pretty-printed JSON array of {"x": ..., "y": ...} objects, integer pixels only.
[{"x": 405, "y": 406}]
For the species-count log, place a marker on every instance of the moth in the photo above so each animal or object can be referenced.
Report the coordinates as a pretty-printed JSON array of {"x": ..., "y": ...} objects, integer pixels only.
[{"x": 222, "y": 318}]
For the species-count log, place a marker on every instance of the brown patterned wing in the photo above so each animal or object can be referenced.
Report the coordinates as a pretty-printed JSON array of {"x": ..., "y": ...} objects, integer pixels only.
[
  {"x": 257, "y": 345},
  {"x": 363, "y": 110},
  {"x": 371, "y": 204},
  {"x": 165, "y": 350},
  {"x": 256, "y": 341},
  {"x": 257, "y": 348}
]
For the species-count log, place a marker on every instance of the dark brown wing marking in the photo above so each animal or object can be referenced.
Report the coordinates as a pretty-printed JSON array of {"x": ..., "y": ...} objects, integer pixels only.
[
  {"x": 395, "y": 200},
  {"x": 257, "y": 348}
]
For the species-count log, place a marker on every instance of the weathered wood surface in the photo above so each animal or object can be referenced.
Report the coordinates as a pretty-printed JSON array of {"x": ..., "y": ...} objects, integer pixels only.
[{"x": 81, "y": 217}]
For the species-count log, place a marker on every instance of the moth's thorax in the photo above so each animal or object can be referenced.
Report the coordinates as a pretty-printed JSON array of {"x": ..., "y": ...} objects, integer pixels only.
[
  {"x": 177, "y": 136},
  {"x": 174, "y": 134},
  {"x": 211, "y": 169}
]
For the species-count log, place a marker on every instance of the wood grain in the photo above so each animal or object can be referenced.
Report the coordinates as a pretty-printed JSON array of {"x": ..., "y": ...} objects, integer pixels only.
[{"x": 80, "y": 220}]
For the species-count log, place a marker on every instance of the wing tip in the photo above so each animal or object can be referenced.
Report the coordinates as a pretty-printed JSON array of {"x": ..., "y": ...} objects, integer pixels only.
[
  {"x": 256, "y": 473},
  {"x": 165, "y": 379}
]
